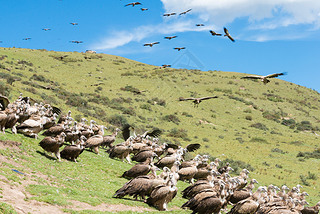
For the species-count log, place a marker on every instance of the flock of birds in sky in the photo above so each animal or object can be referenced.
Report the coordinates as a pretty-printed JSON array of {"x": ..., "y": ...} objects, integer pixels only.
[
  {"x": 213, "y": 33},
  {"x": 211, "y": 187}
]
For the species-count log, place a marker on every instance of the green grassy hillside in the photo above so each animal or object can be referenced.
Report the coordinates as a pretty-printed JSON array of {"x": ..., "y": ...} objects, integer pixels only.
[{"x": 271, "y": 129}]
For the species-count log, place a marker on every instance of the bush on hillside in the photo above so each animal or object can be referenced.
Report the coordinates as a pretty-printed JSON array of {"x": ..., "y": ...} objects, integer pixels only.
[
  {"x": 171, "y": 118},
  {"x": 259, "y": 126},
  {"x": 178, "y": 133},
  {"x": 117, "y": 120},
  {"x": 291, "y": 123},
  {"x": 314, "y": 154},
  {"x": 275, "y": 116}
]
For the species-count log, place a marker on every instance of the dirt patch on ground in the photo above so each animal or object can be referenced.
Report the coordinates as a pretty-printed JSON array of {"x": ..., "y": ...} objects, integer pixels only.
[
  {"x": 106, "y": 207},
  {"x": 9, "y": 144},
  {"x": 14, "y": 194}
]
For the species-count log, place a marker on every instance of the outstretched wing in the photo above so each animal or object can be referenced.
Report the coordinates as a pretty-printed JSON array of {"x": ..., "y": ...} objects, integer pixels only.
[
  {"x": 252, "y": 77},
  {"x": 173, "y": 146},
  {"x": 4, "y": 101},
  {"x": 154, "y": 133},
  {"x": 193, "y": 147},
  {"x": 56, "y": 110},
  {"x": 228, "y": 34},
  {"x": 156, "y": 43},
  {"x": 275, "y": 75},
  {"x": 184, "y": 99},
  {"x": 126, "y": 131},
  {"x": 206, "y": 98}
]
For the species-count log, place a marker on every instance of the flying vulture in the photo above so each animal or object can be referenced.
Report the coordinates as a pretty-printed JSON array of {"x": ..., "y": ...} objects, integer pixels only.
[
  {"x": 179, "y": 49},
  {"x": 170, "y": 37},
  {"x": 196, "y": 101},
  {"x": 133, "y": 4},
  {"x": 228, "y": 34},
  {"x": 151, "y": 44},
  {"x": 214, "y": 33},
  {"x": 185, "y": 12},
  {"x": 169, "y": 14},
  {"x": 263, "y": 79}
]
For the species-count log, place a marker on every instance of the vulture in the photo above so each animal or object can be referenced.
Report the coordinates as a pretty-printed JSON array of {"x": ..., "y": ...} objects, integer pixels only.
[
  {"x": 121, "y": 151},
  {"x": 154, "y": 133},
  {"x": 52, "y": 144},
  {"x": 11, "y": 120},
  {"x": 54, "y": 130},
  {"x": 242, "y": 194},
  {"x": 165, "y": 66},
  {"x": 109, "y": 139},
  {"x": 249, "y": 205},
  {"x": 3, "y": 118},
  {"x": 133, "y": 4},
  {"x": 143, "y": 9},
  {"x": 197, "y": 101},
  {"x": 28, "y": 38},
  {"x": 139, "y": 169},
  {"x": 77, "y": 42},
  {"x": 214, "y": 33},
  {"x": 169, "y": 14},
  {"x": 199, "y": 25},
  {"x": 162, "y": 195},
  {"x": 140, "y": 186},
  {"x": 187, "y": 173},
  {"x": 179, "y": 49},
  {"x": 72, "y": 152},
  {"x": 170, "y": 37},
  {"x": 264, "y": 79},
  {"x": 144, "y": 155},
  {"x": 208, "y": 205},
  {"x": 311, "y": 210},
  {"x": 228, "y": 34},
  {"x": 94, "y": 142},
  {"x": 151, "y": 44},
  {"x": 185, "y": 12},
  {"x": 31, "y": 127},
  {"x": 74, "y": 23},
  {"x": 46, "y": 29}
]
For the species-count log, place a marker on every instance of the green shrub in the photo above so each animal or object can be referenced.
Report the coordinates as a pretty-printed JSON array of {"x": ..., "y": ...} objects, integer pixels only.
[
  {"x": 178, "y": 133},
  {"x": 258, "y": 140},
  {"x": 259, "y": 126},
  {"x": 117, "y": 120},
  {"x": 272, "y": 116},
  {"x": 146, "y": 107},
  {"x": 248, "y": 117},
  {"x": 171, "y": 118},
  {"x": 291, "y": 123}
]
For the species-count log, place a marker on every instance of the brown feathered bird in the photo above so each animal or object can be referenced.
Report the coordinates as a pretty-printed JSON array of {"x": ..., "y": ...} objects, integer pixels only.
[
  {"x": 133, "y": 4},
  {"x": 185, "y": 12},
  {"x": 228, "y": 34},
  {"x": 197, "y": 101},
  {"x": 151, "y": 44},
  {"x": 264, "y": 79},
  {"x": 72, "y": 152},
  {"x": 170, "y": 37},
  {"x": 179, "y": 49},
  {"x": 214, "y": 33},
  {"x": 162, "y": 195},
  {"x": 169, "y": 14},
  {"x": 52, "y": 144}
]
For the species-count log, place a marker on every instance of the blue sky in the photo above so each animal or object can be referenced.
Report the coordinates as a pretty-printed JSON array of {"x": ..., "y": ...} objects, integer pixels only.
[{"x": 273, "y": 36}]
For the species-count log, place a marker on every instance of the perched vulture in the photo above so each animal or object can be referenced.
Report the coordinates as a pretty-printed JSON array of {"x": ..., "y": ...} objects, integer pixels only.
[
  {"x": 72, "y": 152},
  {"x": 52, "y": 144}
]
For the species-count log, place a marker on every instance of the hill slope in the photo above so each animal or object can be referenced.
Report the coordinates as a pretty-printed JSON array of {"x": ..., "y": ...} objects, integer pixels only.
[{"x": 262, "y": 127}]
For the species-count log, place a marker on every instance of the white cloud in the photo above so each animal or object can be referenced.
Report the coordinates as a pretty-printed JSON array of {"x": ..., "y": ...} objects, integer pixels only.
[
  {"x": 277, "y": 13},
  {"x": 121, "y": 38}
]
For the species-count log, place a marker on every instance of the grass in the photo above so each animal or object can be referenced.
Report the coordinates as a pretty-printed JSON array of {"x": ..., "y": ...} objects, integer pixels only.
[{"x": 229, "y": 135}]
